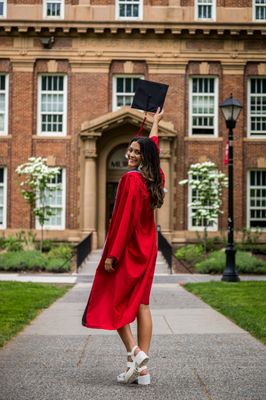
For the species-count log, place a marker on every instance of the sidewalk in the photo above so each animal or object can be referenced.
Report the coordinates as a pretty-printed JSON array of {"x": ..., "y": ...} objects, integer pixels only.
[{"x": 196, "y": 354}]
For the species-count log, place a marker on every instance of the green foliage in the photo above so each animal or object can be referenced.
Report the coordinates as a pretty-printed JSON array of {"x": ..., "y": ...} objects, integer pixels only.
[
  {"x": 2, "y": 242},
  {"x": 13, "y": 244},
  {"x": 20, "y": 303},
  {"x": 27, "y": 239},
  {"x": 57, "y": 265},
  {"x": 22, "y": 261},
  {"x": 32, "y": 261},
  {"x": 63, "y": 251},
  {"x": 245, "y": 263},
  {"x": 251, "y": 236},
  {"x": 47, "y": 245},
  {"x": 190, "y": 253}
]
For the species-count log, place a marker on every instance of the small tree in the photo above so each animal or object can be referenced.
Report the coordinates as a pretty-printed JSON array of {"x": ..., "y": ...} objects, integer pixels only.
[
  {"x": 36, "y": 189},
  {"x": 208, "y": 182}
]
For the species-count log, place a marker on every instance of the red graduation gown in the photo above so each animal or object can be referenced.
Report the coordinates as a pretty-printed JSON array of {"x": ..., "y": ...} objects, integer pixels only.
[{"x": 115, "y": 296}]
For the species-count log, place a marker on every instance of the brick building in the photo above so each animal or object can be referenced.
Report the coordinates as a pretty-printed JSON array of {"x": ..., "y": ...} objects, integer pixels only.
[{"x": 68, "y": 70}]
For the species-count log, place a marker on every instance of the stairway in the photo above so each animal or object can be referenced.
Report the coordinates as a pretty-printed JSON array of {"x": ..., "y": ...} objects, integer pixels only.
[{"x": 88, "y": 268}]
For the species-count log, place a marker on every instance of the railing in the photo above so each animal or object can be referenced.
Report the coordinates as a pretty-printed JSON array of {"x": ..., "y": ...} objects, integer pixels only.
[
  {"x": 165, "y": 247},
  {"x": 83, "y": 249}
]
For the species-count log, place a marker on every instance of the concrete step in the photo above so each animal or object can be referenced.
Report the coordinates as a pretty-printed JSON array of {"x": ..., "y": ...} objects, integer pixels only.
[{"x": 89, "y": 266}]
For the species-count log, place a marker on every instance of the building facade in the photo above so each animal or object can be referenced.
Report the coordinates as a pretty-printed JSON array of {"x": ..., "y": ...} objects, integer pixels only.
[{"x": 68, "y": 71}]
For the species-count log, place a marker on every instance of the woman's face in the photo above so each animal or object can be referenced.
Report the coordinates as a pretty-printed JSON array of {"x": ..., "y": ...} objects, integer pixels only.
[{"x": 133, "y": 154}]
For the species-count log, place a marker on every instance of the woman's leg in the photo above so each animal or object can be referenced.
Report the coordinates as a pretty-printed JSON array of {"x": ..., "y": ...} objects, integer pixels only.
[
  {"x": 144, "y": 327},
  {"x": 127, "y": 337}
]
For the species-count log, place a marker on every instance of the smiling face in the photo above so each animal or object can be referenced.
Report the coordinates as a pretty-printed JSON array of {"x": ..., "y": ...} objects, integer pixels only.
[{"x": 133, "y": 154}]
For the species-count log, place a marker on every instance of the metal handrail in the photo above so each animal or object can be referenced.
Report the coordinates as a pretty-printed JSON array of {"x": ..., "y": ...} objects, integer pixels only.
[
  {"x": 165, "y": 247},
  {"x": 83, "y": 249}
]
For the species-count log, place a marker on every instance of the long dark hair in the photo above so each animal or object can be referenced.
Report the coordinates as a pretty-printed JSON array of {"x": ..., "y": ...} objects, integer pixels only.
[{"x": 150, "y": 169}]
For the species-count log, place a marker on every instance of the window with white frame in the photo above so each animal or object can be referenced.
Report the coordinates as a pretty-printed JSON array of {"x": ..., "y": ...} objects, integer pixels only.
[
  {"x": 3, "y": 104},
  {"x": 124, "y": 88},
  {"x": 256, "y": 199},
  {"x": 2, "y": 8},
  {"x": 53, "y": 9},
  {"x": 3, "y": 192},
  {"x": 257, "y": 106},
  {"x": 259, "y": 10},
  {"x": 52, "y": 109},
  {"x": 129, "y": 9},
  {"x": 55, "y": 198},
  {"x": 194, "y": 223},
  {"x": 205, "y": 9},
  {"x": 203, "y": 106}
]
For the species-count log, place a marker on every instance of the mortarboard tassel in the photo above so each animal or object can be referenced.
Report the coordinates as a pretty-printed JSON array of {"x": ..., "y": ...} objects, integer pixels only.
[{"x": 141, "y": 126}]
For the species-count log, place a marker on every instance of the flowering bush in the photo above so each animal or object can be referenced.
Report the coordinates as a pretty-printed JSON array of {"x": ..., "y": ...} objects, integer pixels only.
[
  {"x": 208, "y": 183},
  {"x": 36, "y": 189}
]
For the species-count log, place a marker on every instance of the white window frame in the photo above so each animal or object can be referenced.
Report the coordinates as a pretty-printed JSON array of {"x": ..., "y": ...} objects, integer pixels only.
[
  {"x": 114, "y": 92},
  {"x": 212, "y": 228},
  {"x": 248, "y": 199},
  {"x": 254, "y": 6},
  {"x": 4, "y": 9},
  {"x": 213, "y": 17},
  {"x": 5, "y": 131},
  {"x": 62, "y": 9},
  {"x": 39, "y": 120},
  {"x": 63, "y": 225},
  {"x": 216, "y": 108},
  {"x": 262, "y": 136},
  {"x": 4, "y": 224},
  {"x": 140, "y": 16}
]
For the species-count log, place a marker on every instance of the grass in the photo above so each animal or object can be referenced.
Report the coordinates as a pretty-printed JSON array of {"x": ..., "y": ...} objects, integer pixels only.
[
  {"x": 242, "y": 302},
  {"x": 21, "y": 302}
]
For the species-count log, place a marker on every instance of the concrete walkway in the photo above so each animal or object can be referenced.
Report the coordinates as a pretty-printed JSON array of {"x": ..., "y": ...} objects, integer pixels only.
[{"x": 196, "y": 354}]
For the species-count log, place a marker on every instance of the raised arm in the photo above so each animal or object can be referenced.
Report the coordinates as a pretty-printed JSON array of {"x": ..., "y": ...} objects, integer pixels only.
[{"x": 156, "y": 119}]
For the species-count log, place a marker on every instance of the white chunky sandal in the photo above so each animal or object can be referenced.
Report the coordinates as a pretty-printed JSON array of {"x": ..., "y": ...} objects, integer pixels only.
[
  {"x": 139, "y": 360},
  {"x": 140, "y": 380}
]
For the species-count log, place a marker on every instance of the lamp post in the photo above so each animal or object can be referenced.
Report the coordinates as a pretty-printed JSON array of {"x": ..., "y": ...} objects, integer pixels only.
[{"x": 231, "y": 109}]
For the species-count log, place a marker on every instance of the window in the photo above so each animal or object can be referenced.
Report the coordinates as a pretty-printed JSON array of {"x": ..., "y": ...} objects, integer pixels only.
[
  {"x": 129, "y": 9},
  {"x": 3, "y": 195},
  {"x": 257, "y": 199},
  {"x": 193, "y": 223},
  {"x": 2, "y": 8},
  {"x": 259, "y": 10},
  {"x": 52, "y": 105},
  {"x": 257, "y": 106},
  {"x": 53, "y": 9},
  {"x": 55, "y": 198},
  {"x": 203, "y": 106},
  {"x": 3, "y": 104},
  {"x": 124, "y": 90},
  {"x": 205, "y": 9}
]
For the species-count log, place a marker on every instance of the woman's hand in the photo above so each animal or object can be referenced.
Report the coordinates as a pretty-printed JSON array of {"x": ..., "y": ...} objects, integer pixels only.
[
  {"x": 156, "y": 119},
  {"x": 108, "y": 265},
  {"x": 158, "y": 115}
]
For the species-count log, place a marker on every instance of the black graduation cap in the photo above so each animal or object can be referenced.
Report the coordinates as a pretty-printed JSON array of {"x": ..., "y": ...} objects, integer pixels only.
[{"x": 149, "y": 95}]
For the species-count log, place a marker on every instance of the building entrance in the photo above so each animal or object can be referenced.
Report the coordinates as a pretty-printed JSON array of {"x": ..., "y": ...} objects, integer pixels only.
[{"x": 116, "y": 166}]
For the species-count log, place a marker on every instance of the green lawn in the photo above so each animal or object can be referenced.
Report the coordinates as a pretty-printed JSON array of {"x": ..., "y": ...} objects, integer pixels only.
[
  {"x": 242, "y": 302},
  {"x": 21, "y": 302}
]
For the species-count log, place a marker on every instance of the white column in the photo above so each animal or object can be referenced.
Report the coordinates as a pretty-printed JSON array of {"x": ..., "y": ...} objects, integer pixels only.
[
  {"x": 163, "y": 213},
  {"x": 90, "y": 189}
]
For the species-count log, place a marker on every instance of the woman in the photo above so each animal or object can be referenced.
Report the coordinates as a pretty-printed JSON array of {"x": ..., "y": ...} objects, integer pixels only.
[{"x": 122, "y": 284}]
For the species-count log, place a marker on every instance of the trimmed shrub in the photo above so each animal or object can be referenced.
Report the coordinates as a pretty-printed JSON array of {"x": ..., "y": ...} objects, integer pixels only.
[
  {"x": 245, "y": 263},
  {"x": 63, "y": 251},
  {"x": 12, "y": 243},
  {"x": 57, "y": 265},
  {"x": 22, "y": 261},
  {"x": 190, "y": 253}
]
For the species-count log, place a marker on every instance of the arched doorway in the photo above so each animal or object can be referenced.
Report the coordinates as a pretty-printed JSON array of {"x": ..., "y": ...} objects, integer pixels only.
[{"x": 116, "y": 166}]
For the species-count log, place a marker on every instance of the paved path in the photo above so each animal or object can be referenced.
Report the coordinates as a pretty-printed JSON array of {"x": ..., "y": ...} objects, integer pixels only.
[{"x": 196, "y": 354}]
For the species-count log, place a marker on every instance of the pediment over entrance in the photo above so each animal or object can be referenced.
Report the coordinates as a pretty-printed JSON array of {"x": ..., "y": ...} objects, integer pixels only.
[{"x": 125, "y": 115}]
